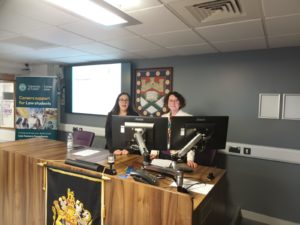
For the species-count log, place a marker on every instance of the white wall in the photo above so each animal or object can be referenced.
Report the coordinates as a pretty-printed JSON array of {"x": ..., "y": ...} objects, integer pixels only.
[
  {"x": 10, "y": 67},
  {"x": 7, "y": 135}
]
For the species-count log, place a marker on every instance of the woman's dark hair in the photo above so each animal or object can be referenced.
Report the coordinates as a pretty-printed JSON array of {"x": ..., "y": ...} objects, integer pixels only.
[
  {"x": 178, "y": 96},
  {"x": 116, "y": 109}
]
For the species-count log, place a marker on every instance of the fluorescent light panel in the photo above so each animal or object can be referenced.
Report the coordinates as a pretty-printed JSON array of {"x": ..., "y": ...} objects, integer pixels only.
[{"x": 90, "y": 10}]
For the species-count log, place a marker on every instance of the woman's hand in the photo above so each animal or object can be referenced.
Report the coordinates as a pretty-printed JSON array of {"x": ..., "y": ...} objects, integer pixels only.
[
  {"x": 154, "y": 154},
  {"x": 192, "y": 164},
  {"x": 120, "y": 152},
  {"x": 125, "y": 152}
]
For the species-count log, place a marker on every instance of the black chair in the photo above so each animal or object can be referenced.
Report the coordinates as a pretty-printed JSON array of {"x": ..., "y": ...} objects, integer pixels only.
[
  {"x": 206, "y": 158},
  {"x": 83, "y": 138}
]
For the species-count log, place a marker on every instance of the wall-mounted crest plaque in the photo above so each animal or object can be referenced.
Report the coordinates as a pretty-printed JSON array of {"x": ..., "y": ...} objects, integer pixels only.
[{"x": 152, "y": 85}]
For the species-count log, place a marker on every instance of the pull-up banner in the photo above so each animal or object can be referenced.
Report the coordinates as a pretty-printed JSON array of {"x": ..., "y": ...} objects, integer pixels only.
[
  {"x": 36, "y": 107},
  {"x": 73, "y": 198}
]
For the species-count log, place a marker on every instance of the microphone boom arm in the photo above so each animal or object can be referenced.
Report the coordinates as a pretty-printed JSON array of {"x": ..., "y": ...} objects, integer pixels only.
[
  {"x": 140, "y": 141},
  {"x": 190, "y": 144}
]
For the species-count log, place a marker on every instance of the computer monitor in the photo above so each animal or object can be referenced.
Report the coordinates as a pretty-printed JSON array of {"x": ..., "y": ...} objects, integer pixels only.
[
  {"x": 153, "y": 132},
  {"x": 204, "y": 132}
]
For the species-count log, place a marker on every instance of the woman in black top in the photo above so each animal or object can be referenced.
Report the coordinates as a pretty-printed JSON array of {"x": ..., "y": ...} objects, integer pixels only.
[{"x": 122, "y": 107}]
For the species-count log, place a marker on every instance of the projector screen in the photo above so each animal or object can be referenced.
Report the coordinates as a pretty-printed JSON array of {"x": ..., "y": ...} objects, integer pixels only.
[{"x": 95, "y": 87}]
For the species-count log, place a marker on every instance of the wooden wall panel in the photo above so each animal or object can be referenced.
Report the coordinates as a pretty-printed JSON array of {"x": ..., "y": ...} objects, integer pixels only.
[
  {"x": 131, "y": 203},
  {"x": 20, "y": 190}
]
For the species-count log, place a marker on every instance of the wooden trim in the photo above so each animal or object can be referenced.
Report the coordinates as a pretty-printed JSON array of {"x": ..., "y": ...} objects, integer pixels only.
[
  {"x": 8, "y": 77},
  {"x": 7, "y": 128}
]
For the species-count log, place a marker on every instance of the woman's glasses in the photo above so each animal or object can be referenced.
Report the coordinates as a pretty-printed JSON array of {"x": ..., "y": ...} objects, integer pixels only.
[
  {"x": 123, "y": 100},
  {"x": 173, "y": 101}
]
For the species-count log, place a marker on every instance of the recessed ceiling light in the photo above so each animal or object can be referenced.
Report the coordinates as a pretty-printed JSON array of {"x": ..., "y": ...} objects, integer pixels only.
[{"x": 95, "y": 10}]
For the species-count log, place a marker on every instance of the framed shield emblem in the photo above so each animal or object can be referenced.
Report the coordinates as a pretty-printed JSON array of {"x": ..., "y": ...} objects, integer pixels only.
[{"x": 152, "y": 85}]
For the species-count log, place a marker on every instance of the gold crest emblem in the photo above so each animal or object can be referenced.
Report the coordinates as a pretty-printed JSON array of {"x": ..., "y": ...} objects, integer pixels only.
[
  {"x": 68, "y": 211},
  {"x": 151, "y": 86}
]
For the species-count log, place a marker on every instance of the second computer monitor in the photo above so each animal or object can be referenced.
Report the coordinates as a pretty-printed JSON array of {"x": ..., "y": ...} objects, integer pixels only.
[
  {"x": 155, "y": 133},
  {"x": 213, "y": 129}
]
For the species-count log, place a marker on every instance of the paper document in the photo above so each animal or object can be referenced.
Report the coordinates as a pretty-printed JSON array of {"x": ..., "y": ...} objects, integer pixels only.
[
  {"x": 89, "y": 154},
  {"x": 161, "y": 162},
  {"x": 195, "y": 186},
  {"x": 86, "y": 152}
]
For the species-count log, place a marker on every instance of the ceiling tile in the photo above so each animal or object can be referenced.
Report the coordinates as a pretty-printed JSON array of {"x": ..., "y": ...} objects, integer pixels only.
[
  {"x": 131, "y": 44},
  {"x": 14, "y": 49},
  {"x": 15, "y": 23},
  {"x": 155, "y": 20},
  {"x": 58, "y": 52},
  {"x": 193, "y": 49},
  {"x": 283, "y": 25},
  {"x": 284, "y": 41},
  {"x": 20, "y": 58},
  {"x": 119, "y": 55},
  {"x": 95, "y": 31},
  {"x": 182, "y": 37},
  {"x": 133, "y": 5},
  {"x": 273, "y": 8},
  {"x": 44, "y": 54},
  {"x": 94, "y": 47},
  {"x": 29, "y": 42},
  {"x": 241, "y": 45},
  {"x": 168, "y": 1},
  {"x": 40, "y": 10},
  {"x": 57, "y": 36},
  {"x": 78, "y": 59},
  {"x": 155, "y": 53},
  {"x": 5, "y": 34},
  {"x": 232, "y": 31}
]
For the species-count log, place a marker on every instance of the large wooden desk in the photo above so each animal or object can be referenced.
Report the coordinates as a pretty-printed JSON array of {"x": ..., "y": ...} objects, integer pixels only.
[{"x": 127, "y": 202}]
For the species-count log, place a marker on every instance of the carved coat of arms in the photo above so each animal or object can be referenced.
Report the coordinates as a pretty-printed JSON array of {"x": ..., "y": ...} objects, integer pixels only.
[{"x": 151, "y": 87}]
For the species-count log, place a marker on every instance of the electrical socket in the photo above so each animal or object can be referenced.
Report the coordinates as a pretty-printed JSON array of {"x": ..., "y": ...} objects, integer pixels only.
[
  {"x": 247, "y": 151},
  {"x": 235, "y": 149}
]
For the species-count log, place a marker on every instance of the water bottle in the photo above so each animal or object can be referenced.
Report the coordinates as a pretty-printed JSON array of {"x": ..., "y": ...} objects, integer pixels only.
[{"x": 70, "y": 142}]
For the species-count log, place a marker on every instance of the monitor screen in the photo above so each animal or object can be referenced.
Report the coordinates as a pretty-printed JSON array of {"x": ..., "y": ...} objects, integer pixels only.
[
  {"x": 155, "y": 132},
  {"x": 213, "y": 129}
]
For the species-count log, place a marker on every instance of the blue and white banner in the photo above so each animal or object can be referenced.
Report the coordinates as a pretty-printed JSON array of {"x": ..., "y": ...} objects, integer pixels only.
[{"x": 36, "y": 107}]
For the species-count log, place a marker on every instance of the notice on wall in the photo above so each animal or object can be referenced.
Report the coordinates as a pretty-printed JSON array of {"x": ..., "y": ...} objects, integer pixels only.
[
  {"x": 36, "y": 107},
  {"x": 7, "y": 113}
]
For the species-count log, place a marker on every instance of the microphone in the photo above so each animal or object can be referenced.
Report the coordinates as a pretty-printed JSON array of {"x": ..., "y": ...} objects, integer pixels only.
[
  {"x": 179, "y": 182},
  {"x": 111, "y": 161}
]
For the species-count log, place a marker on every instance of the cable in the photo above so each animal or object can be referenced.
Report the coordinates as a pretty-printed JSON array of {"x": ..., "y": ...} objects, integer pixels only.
[{"x": 194, "y": 184}]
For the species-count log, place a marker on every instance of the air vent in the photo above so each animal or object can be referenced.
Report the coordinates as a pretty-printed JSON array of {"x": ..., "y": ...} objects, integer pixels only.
[{"x": 215, "y": 10}]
